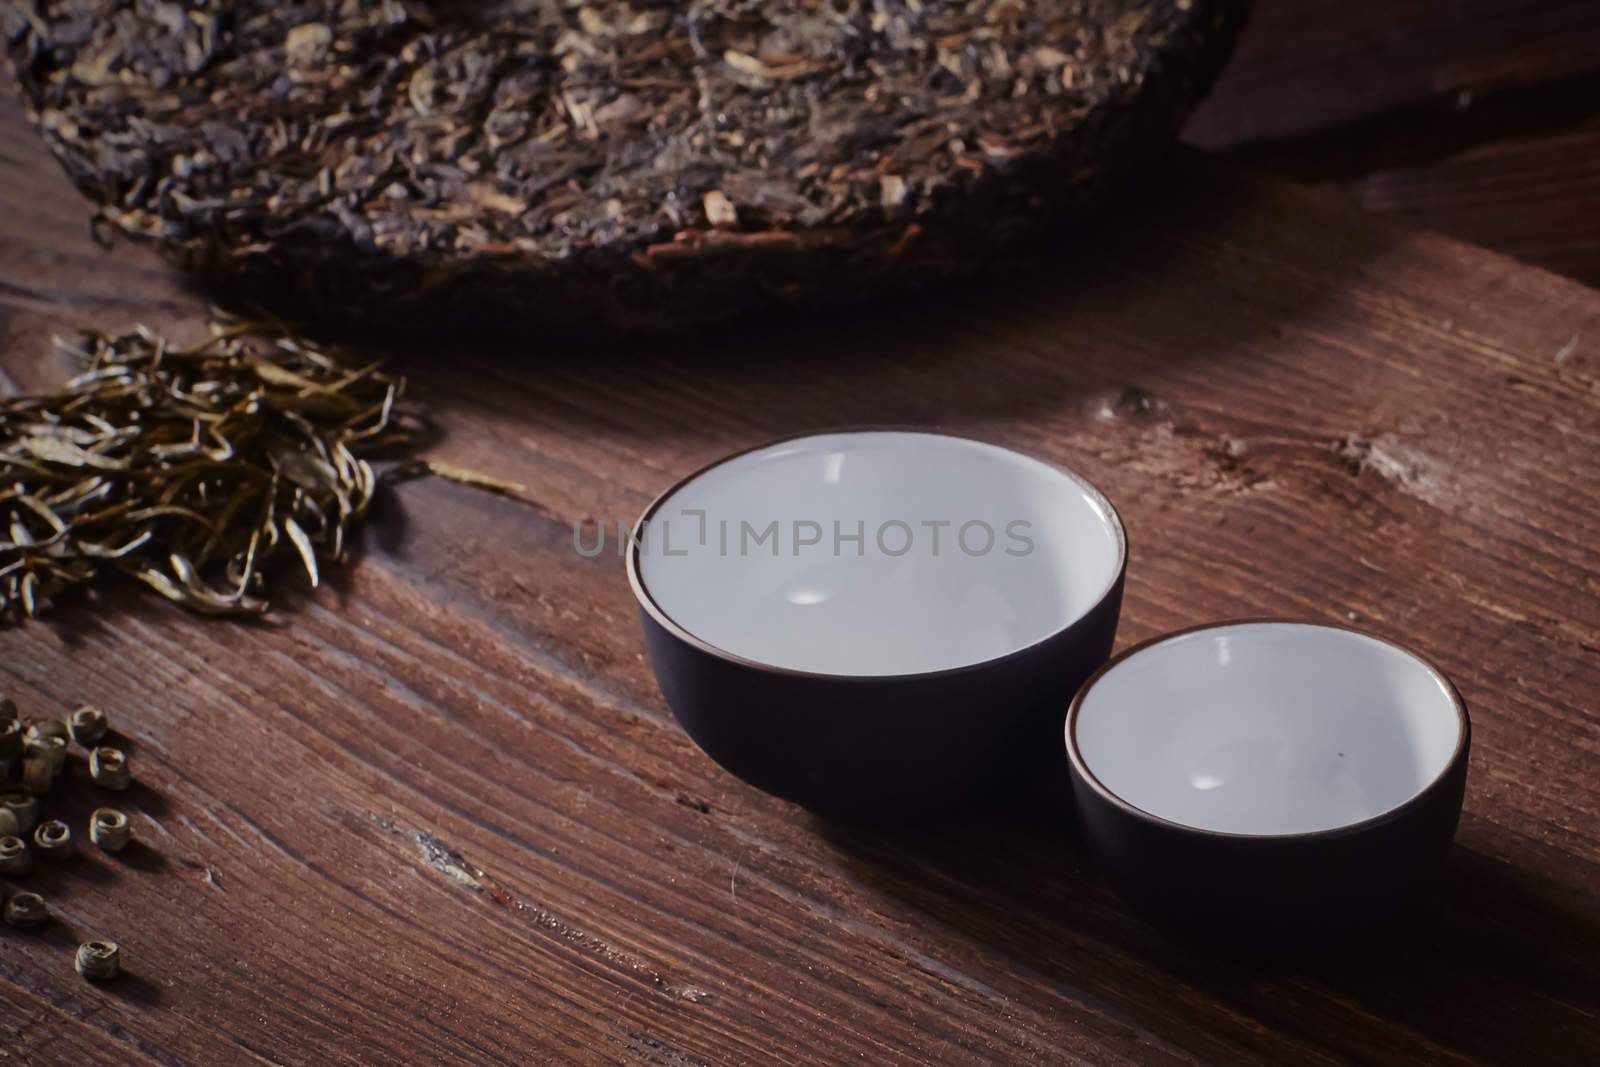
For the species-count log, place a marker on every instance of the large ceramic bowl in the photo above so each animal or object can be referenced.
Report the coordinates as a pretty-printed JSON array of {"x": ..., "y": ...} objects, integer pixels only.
[
  {"x": 878, "y": 624},
  {"x": 1271, "y": 784}
]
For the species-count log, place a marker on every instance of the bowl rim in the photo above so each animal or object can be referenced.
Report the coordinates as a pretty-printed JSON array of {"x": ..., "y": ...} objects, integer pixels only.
[
  {"x": 646, "y": 601},
  {"x": 1080, "y": 766}
]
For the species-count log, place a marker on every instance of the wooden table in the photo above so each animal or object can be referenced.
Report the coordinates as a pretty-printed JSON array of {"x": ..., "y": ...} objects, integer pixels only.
[
  {"x": 438, "y": 811},
  {"x": 1480, "y": 118}
]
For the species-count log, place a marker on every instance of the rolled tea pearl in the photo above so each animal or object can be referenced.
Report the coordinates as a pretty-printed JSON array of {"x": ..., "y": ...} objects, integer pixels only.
[
  {"x": 53, "y": 840},
  {"x": 98, "y": 961},
  {"x": 45, "y": 757},
  {"x": 87, "y": 725},
  {"x": 45, "y": 728},
  {"x": 15, "y": 860},
  {"x": 37, "y": 775},
  {"x": 50, "y": 746},
  {"x": 109, "y": 769},
  {"x": 109, "y": 829},
  {"x": 24, "y": 806},
  {"x": 26, "y": 909}
]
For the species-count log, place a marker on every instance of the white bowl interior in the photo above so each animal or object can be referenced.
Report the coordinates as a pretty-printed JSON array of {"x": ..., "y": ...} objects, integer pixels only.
[
  {"x": 1268, "y": 728},
  {"x": 911, "y": 595}
]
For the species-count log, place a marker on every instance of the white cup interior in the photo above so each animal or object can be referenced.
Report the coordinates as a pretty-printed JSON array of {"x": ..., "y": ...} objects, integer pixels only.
[
  {"x": 1267, "y": 728},
  {"x": 893, "y": 553}
]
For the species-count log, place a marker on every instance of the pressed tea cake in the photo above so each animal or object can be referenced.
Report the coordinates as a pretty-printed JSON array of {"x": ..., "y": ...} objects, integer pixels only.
[{"x": 599, "y": 166}]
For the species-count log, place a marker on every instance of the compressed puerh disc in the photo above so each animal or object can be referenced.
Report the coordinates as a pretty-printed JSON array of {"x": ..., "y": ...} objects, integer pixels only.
[{"x": 600, "y": 166}]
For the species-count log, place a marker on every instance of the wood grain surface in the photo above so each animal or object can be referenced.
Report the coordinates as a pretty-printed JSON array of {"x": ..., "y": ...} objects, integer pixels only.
[
  {"x": 437, "y": 811},
  {"x": 1308, "y": 65},
  {"x": 1472, "y": 117}
]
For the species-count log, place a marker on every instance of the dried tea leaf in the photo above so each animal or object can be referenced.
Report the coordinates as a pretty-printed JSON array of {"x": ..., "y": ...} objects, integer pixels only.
[
  {"x": 302, "y": 543},
  {"x": 720, "y": 211},
  {"x": 467, "y": 476}
]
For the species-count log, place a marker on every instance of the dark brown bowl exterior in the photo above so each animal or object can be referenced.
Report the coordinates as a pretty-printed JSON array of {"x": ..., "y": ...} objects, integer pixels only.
[
  {"x": 883, "y": 749},
  {"x": 1278, "y": 894}
]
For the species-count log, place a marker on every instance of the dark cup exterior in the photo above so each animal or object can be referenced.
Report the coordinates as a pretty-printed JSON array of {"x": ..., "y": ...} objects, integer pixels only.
[
  {"x": 886, "y": 749},
  {"x": 1273, "y": 895}
]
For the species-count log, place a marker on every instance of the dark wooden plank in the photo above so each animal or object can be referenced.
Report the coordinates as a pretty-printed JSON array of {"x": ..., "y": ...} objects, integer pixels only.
[
  {"x": 1308, "y": 65},
  {"x": 438, "y": 811},
  {"x": 1535, "y": 197},
  {"x": 1474, "y": 119}
]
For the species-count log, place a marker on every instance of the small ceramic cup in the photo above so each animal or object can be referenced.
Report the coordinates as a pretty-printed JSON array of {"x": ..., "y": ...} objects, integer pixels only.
[
  {"x": 1269, "y": 785},
  {"x": 878, "y": 624}
]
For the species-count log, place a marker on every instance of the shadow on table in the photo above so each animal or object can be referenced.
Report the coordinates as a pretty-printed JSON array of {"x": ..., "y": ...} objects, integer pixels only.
[
  {"x": 1504, "y": 967},
  {"x": 1069, "y": 353},
  {"x": 1170, "y": 272},
  {"x": 63, "y": 936}
]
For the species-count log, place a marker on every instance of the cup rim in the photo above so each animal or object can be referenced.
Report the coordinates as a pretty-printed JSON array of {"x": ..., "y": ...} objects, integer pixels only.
[
  {"x": 646, "y": 601},
  {"x": 1080, "y": 766}
]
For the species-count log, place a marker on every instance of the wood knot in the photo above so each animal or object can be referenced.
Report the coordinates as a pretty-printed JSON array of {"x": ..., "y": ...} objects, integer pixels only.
[{"x": 1133, "y": 402}]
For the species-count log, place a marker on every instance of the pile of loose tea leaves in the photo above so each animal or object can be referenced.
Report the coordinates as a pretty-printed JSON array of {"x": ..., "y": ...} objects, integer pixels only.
[
  {"x": 598, "y": 164},
  {"x": 190, "y": 468}
]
